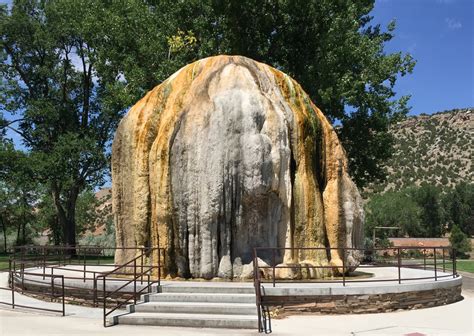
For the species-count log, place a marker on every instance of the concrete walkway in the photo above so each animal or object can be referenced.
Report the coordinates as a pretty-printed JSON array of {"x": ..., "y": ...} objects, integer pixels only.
[{"x": 455, "y": 319}]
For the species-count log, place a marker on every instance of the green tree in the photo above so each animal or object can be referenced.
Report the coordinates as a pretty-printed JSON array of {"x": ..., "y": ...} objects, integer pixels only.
[
  {"x": 459, "y": 207},
  {"x": 18, "y": 191},
  {"x": 330, "y": 47},
  {"x": 87, "y": 214},
  {"x": 460, "y": 242},
  {"x": 394, "y": 209},
  {"x": 432, "y": 216},
  {"x": 71, "y": 68},
  {"x": 64, "y": 94},
  {"x": 47, "y": 218}
]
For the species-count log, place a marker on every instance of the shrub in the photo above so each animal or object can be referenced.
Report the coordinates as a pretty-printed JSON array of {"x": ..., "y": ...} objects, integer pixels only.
[{"x": 460, "y": 242}]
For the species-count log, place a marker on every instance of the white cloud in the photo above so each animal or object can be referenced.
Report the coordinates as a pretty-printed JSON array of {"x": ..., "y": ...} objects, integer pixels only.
[{"x": 453, "y": 24}]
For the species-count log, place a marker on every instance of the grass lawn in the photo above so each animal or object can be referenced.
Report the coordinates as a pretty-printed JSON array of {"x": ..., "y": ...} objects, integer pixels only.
[
  {"x": 4, "y": 261},
  {"x": 465, "y": 265}
]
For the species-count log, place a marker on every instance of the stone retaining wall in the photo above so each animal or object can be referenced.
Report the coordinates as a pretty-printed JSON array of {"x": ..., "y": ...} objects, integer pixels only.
[{"x": 363, "y": 304}]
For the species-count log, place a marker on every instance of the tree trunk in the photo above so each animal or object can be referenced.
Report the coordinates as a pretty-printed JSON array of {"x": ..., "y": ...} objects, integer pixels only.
[
  {"x": 66, "y": 216},
  {"x": 23, "y": 222},
  {"x": 70, "y": 232},
  {"x": 61, "y": 217},
  {"x": 56, "y": 230},
  {"x": 4, "y": 228},
  {"x": 18, "y": 242},
  {"x": 23, "y": 232}
]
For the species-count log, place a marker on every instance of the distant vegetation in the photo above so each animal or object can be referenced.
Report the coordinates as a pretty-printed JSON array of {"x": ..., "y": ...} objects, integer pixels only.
[
  {"x": 424, "y": 211},
  {"x": 436, "y": 149},
  {"x": 429, "y": 189}
]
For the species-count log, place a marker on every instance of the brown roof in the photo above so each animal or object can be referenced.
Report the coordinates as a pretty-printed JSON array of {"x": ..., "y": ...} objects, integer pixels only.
[{"x": 420, "y": 241}]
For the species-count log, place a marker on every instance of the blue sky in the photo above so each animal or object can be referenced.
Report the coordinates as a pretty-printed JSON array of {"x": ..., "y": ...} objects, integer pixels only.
[{"x": 439, "y": 34}]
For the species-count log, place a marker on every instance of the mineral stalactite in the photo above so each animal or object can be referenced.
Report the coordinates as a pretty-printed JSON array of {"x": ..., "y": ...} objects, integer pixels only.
[{"x": 226, "y": 155}]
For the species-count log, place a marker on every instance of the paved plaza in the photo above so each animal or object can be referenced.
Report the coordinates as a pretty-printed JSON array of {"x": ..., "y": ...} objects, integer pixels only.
[{"x": 453, "y": 319}]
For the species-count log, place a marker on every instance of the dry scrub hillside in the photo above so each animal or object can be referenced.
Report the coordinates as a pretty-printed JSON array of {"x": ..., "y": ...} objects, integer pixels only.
[{"x": 437, "y": 149}]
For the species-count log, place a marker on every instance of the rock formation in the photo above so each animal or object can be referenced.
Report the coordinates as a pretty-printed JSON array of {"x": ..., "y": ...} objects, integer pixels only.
[{"x": 229, "y": 154}]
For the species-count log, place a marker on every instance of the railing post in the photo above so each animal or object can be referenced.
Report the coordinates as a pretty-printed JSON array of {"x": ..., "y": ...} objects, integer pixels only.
[
  {"x": 142, "y": 250},
  {"x": 273, "y": 266},
  {"x": 84, "y": 257},
  {"x": 62, "y": 284},
  {"x": 52, "y": 277},
  {"x": 22, "y": 276},
  {"x": 343, "y": 266},
  {"x": 454, "y": 262},
  {"x": 159, "y": 266},
  {"x": 104, "y": 298},
  {"x": 135, "y": 281},
  {"x": 52, "y": 287},
  {"x": 435, "y": 262},
  {"x": 44, "y": 263},
  {"x": 399, "y": 266},
  {"x": 12, "y": 277},
  {"x": 256, "y": 284},
  {"x": 424, "y": 259},
  {"x": 444, "y": 261},
  {"x": 94, "y": 284},
  {"x": 148, "y": 285}
]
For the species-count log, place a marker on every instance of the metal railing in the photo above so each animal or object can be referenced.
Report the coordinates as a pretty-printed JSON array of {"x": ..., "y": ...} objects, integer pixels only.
[
  {"x": 42, "y": 262},
  {"x": 443, "y": 260},
  {"x": 124, "y": 270},
  {"x": 15, "y": 273}
]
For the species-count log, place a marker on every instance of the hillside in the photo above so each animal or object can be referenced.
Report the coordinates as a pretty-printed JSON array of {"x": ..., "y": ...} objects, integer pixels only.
[{"x": 437, "y": 149}]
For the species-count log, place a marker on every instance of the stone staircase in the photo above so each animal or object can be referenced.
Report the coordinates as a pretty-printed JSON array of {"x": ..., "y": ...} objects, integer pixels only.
[{"x": 207, "y": 305}]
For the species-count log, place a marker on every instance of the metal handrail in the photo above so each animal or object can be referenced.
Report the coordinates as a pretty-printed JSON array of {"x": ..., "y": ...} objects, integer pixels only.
[
  {"x": 136, "y": 275},
  {"x": 53, "y": 261},
  {"x": 13, "y": 273},
  {"x": 263, "y": 315},
  {"x": 397, "y": 262}
]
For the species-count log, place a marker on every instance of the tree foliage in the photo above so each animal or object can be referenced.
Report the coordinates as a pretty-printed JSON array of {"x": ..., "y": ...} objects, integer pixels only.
[
  {"x": 460, "y": 242},
  {"x": 424, "y": 211},
  {"x": 333, "y": 50},
  {"x": 66, "y": 107},
  {"x": 70, "y": 69},
  {"x": 428, "y": 198},
  {"x": 394, "y": 209},
  {"x": 330, "y": 47},
  {"x": 459, "y": 207},
  {"x": 18, "y": 192}
]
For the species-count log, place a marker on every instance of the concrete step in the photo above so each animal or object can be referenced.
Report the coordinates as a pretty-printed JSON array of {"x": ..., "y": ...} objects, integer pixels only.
[
  {"x": 206, "y": 289},
  {"x": 195, "y": 308},
  {"x": 199, "y": 297},
  {"x": 190, "y": 320}
]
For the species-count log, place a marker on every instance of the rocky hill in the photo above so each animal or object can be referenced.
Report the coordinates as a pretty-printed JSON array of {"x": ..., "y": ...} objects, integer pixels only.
[{"x": 438, "y": 149}]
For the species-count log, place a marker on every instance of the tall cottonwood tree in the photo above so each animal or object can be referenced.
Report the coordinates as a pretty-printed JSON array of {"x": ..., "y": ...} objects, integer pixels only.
[
  {"x": 332, "y": 49},
  {"x": 329, "y": 46},
  {"x": 64, "y": 99}
]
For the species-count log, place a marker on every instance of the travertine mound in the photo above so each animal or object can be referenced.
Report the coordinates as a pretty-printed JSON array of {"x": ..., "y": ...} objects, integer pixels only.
[{"x": 229, "y": 154}]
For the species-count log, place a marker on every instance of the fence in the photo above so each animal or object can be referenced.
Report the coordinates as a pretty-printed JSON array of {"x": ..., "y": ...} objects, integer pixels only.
[
  {"x": 139, "y": 274},
  {"x": 44, "y": 262},
  {"x": 129, "y": 269},
  {"x": 20, "y": 274},
  {"x": 433, "y": 259}
]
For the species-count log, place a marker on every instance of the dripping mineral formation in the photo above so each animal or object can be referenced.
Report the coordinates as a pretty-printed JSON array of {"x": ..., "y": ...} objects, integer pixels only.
[{"x": 226, "y": 155}]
